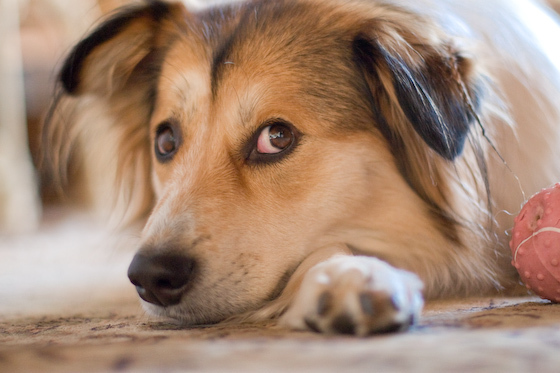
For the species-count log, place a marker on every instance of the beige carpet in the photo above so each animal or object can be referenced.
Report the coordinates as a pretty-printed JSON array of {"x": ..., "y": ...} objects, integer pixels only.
[{"x": 66, "y": 306}]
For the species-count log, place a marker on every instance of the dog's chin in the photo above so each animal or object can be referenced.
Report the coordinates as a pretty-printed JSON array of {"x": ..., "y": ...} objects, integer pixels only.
[
  {"x": 187, "y": 313},
  {"x": 183, "y": 316}
]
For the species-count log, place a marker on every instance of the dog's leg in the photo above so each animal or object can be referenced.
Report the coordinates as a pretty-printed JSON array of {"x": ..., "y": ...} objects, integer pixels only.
[{"x": 355, "y": 295}]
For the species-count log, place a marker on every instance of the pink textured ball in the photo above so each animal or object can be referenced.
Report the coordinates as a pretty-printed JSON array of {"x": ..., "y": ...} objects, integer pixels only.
[{"x": 535, "y": 243}]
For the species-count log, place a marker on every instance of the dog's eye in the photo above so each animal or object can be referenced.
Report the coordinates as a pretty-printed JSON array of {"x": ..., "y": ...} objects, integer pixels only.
[
  {"x": 275, "y": 138},
  {"x": 166, "y": 142}
]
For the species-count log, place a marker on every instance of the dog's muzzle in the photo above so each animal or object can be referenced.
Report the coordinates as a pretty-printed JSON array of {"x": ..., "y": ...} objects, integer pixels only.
[{"x": 161, "y": 279}]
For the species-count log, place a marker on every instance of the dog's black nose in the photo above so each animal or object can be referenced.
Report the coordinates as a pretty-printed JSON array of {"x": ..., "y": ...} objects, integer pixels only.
[{"x": 161, "y": 279}]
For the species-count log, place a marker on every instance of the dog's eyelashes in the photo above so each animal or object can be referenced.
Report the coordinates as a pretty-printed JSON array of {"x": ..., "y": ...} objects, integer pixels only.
[
  {"x": 166, "y": 142},
  {"x": 274, "y": 140}
]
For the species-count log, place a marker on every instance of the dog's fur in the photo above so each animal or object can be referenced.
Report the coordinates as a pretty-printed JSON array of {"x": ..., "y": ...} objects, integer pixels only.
[{"x": 420, "y": 126}]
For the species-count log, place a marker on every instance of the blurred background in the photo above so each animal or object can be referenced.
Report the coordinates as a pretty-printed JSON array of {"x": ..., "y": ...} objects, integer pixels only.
[
  {"x": 45, "y": 33},
  {"x": 34, "y": 37},
  {"x": 48, "y": 28}
]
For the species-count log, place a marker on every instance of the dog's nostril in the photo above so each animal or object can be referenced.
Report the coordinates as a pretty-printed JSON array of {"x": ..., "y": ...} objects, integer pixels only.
[
  {"x": 170, "y": 284},
  {"x": 164, "y": 283},
  {"x": 161, "y": 279}
]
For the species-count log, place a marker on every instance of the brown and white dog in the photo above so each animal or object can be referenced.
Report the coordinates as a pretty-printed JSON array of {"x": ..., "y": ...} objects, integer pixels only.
[{"x": 331, "y": 163}]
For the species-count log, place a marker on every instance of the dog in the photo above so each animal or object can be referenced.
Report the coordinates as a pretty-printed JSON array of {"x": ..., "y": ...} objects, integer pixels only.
[{"x": 331, "y": 164}]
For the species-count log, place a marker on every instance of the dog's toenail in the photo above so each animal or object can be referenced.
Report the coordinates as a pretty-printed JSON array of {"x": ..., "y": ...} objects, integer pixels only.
[
  {"x": 392, "y": 328},
  {"x": 343, "y": 324},
  {"x": 312, "y": 325}
]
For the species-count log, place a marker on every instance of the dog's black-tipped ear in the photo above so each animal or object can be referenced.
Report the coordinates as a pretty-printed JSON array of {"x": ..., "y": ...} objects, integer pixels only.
[
  {"x": 432, "y": 83},
  {"x": 107, "y": 58}
]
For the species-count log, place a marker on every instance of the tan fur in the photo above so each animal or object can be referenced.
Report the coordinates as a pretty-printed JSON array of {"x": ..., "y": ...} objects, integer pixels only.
[{"x": 345, "y": 188}]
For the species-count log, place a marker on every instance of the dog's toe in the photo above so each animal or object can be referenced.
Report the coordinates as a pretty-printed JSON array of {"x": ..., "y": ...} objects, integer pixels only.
[{"x": 355, "y": 295}]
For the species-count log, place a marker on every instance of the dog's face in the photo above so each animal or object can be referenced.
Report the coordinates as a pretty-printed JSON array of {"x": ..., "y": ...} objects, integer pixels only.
[
  {"x": 274, "y": 129},
  {"x": 257, "y": 157}
]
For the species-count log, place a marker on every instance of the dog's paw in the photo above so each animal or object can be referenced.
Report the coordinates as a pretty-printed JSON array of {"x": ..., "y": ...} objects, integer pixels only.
[{"x": 355, "y": 295}]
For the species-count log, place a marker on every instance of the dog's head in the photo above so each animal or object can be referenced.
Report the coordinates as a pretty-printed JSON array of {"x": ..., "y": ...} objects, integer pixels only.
[{"x": 274, "y": 129}]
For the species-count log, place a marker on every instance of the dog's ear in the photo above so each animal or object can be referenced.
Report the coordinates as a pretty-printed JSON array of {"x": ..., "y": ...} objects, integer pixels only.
[
  {"x": 98, "y": 128},
  {"x": 428, "y": 80},
  {"x": 119, "y": 51}
]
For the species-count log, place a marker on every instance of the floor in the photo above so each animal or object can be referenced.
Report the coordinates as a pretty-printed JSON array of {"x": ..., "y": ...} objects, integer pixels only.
[{"x": 66, "y": 306}]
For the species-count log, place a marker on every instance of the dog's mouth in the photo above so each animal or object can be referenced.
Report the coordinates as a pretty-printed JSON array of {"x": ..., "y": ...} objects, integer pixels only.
[{"x": 184, "y": 289}]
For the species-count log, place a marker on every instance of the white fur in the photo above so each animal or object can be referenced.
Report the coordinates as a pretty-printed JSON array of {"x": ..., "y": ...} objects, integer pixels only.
[{"x": 345, "y": 279}]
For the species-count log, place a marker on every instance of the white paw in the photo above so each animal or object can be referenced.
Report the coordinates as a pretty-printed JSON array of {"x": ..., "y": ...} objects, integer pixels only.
[{"x": 355, "y": 295}]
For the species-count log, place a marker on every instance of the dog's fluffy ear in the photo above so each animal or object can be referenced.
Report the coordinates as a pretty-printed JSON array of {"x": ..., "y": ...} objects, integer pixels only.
[
  {"x": 119, "y": 51},
  {"x": 431, "y": 82},
  {"x": 98, "y": 129}
]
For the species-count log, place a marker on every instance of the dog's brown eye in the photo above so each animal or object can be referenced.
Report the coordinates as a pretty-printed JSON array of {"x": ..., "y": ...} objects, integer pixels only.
[
  {"x": 166, "y": 142},
  {"x": 275, "y": 138}
]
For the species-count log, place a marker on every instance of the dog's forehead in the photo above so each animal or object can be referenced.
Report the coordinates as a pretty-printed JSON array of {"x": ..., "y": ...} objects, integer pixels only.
[
  {"x": 279, "y": 34},
  {"x": 268, "y": 50}
]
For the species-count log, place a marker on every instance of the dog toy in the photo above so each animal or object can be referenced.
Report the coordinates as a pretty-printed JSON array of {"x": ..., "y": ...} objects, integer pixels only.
[{"x": 535, "y": 243}]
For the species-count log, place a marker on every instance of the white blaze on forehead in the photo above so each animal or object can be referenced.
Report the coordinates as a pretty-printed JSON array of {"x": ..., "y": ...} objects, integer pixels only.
[
  {"x": 172, "y": 218},
  {"x": 183, "y": 98},
  {"x": 183, "y": 87}
]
